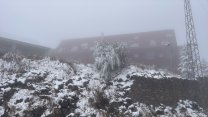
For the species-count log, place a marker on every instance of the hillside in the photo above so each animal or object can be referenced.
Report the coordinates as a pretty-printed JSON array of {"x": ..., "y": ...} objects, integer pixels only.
[
  {"x": 26, "y": 49},
  {"x": 51, "y": 88}
]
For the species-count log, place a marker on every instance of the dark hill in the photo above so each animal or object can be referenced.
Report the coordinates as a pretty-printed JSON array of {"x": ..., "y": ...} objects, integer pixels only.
[{"x": 26, "y": 49}]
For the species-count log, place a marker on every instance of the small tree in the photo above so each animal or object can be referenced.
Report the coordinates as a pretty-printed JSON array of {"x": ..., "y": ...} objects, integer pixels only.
[
  {"x": 184, "y": 68},
  {"x": 109, "y": 58}
]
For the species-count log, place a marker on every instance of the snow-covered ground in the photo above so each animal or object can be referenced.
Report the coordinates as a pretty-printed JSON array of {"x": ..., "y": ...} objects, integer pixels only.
[{"x": 50, "y": 88}]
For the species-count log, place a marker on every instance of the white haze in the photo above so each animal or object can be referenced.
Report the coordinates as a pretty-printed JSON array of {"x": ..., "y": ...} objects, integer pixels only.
[{"x": 47, "y": 22}]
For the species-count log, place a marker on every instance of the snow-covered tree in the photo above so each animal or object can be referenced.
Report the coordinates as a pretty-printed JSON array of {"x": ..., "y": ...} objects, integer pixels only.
[
  {"x": 184, "y": 68},
  {"x": 204, "y": 64},
  {"x": 109, "y": 58}
]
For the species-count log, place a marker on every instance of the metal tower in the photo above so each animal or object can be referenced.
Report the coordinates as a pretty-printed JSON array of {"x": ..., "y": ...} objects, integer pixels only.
[{"x": 194, "y": 63}]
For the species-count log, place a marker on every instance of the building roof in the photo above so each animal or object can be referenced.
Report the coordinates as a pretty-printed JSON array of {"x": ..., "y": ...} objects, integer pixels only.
[{"x": 168, "y": 35}]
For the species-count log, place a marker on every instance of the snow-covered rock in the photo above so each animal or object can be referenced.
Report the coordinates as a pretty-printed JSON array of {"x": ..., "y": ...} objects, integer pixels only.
[{"x": 50, "y": 88}]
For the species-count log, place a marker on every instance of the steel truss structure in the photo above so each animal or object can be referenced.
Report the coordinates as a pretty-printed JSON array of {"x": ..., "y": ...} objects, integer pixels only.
[{"x": 192, "y": 50}]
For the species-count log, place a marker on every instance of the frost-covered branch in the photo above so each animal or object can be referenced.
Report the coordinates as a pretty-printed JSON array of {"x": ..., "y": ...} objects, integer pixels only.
[{"x": 109, "y": 57}]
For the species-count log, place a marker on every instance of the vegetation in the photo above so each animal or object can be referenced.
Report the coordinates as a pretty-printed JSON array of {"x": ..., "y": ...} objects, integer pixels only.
[
  {"x": 184, "y": 68},
  {"x": 109, "y": 58}
]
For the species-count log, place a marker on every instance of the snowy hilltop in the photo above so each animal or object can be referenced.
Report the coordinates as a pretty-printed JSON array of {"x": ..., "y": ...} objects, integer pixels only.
[{"x": 51, "y": 88}]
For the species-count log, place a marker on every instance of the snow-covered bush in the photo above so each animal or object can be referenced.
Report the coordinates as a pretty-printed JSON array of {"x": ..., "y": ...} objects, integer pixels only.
[
  {"x": 13, "y": 63},
  {"x": 1, "y": 54},
  {"x": 99, "y": 100},
  {"x": 204, "y": 64},
  {"x": 184, "y": 68},
  {"x": 12, "y": 57},
  {"x": 109, "y": 58}
]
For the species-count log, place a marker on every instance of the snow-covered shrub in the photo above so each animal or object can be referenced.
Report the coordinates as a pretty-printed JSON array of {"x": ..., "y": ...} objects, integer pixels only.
[
  {"x": 186, "y": 108},
  {"x": 12, "y": 57},
  {"x": 109, "y": 57},
  {"x": 1, "y": 54},
  {"x": 99, "y": 100},
  {"x": 184, "y": 68},
  {"x": 204, "y": 64},
  {"x": 71, "y": 64},
  {"x": 13, "y": 63}
]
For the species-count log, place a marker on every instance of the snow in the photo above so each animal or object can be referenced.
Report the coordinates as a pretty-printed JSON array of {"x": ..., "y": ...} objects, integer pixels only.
[
  {"x": 188, "y": 109},
  {"x": 1, "y": 110},
  {"x": 20, "y": 95},
  {"x": 150, "y": 73},
  {"x": 109, "y": 57},
  {"x": 46, "y": 83}
]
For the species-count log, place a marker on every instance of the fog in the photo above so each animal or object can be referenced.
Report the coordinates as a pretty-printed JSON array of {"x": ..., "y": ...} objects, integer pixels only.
[{"x": 50, "y": 21}]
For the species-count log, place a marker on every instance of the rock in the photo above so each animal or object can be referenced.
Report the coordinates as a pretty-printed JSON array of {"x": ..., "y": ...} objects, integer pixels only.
[
  {"x": 129, "y": 102},
  {"x": 18, "y": 101},
  {"x": 195, "y": 106},
  {"x": 70, "y": 81},
  {"x": 159, "y": 112},
  {"x": 127, "y": 76},
  {"x": 45, "y": 91},
  {"x": 120, "y": 80},
  {"x": 73, "y": 87},
  {"x": 7, "y": 95},
  {"x": 133, "y": 109},
  {"x": 183, "y": 110},
  {"x": 85, "y": 84},
  {"x": 79, "y": 79},
  {"x": 37, "y": 112},
  {"x": 61, "y": 86},
  {"x": 27, "y": 100}
]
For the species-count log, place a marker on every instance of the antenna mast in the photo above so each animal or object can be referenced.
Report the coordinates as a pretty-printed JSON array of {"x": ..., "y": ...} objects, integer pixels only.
[{"x": 194, "y": 63}]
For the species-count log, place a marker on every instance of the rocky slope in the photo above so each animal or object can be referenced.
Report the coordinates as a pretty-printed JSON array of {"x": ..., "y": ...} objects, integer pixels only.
[{"x": 50, "y": 88}]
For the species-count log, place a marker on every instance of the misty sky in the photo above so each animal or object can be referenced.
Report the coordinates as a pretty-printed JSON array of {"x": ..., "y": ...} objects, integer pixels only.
[{"x": 47, "y": 22}]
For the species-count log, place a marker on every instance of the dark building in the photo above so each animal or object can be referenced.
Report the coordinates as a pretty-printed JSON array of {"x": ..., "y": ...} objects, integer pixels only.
[
  {"x": 26, "y": 49},
  {"x": 157, "y": 48}
]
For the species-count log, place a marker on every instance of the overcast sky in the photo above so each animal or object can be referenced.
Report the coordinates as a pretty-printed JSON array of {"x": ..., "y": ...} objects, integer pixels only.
[{"x": 47, "y": 22}]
